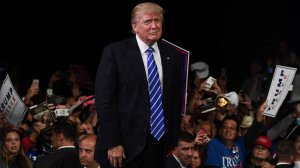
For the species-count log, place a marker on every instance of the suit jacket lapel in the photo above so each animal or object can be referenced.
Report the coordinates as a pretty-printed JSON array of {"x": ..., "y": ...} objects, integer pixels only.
[
  {"x": 165, "y": 58},
  {"x": 138, "y": 65}
]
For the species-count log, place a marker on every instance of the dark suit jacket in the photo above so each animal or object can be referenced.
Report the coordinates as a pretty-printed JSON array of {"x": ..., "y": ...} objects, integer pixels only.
[
  {"x": 122, "y": 98},
  {"x": 171, "y": 162},
  {"x": 284, "y": 166},
  {"x": 65, "y": 157}
]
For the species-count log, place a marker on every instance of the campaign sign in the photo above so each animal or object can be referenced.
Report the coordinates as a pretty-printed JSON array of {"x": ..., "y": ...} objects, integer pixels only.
[
  {"x": 12, "y": 106},
  {"x": 280, "y": 86}
]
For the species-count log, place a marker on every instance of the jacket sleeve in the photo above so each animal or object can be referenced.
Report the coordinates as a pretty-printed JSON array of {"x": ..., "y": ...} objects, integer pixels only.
[{"x": 106, "y": 100}]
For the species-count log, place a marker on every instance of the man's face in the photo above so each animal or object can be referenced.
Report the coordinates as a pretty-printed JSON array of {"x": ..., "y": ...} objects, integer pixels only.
[
  {"x": 86, "y": 152},
  {"x": 184, "y": 152},
  {"x": 229, "y": 130},
  {"x": 148, "y": 27}
]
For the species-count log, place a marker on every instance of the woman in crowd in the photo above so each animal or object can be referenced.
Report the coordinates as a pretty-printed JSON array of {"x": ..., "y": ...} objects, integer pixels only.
[
  {"x": 197, "y": 157},
  {"x": 12, "y": 155},
  {"x": 261, "y": 154}
]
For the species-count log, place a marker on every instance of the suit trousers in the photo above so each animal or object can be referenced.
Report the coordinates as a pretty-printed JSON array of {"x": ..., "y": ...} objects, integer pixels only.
[{"x": 153, "y": 155}]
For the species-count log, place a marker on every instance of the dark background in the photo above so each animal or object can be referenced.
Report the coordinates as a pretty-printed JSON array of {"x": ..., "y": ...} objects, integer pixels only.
[{"x": 37, "y": 39}]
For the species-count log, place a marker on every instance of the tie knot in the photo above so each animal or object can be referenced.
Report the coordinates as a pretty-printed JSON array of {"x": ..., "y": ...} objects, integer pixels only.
[{"x": 150, "y": 50}]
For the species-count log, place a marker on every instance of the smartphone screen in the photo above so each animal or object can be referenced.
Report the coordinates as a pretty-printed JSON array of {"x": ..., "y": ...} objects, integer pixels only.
[
  {"x": 210, "y": 81},
  {"x": 35, "y": 83}
]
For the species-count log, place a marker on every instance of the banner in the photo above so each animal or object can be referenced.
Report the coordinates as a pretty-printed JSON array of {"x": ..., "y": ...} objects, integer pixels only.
[
  {"x": 280, "y": 86},
  {"x": 10, "y": 103},
  {"x": 184, "y": 62}
]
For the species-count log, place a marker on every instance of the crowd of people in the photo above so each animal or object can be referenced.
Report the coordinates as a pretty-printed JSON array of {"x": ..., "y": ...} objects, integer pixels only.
[{"x": 132, "y": 122}]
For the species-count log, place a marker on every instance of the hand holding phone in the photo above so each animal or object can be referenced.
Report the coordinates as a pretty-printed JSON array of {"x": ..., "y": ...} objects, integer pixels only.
[
  {"x": 202, "y": 137},
  {"x": 210, "y": 81},
  {"x": 35, "y": 83}
]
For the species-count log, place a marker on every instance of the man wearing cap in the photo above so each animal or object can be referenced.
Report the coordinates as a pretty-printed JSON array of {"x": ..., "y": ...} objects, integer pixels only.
[
  {"x": 229, "y": 149},
  {"x": 261, "y": 153},
  {"x": 245, "y": 124},
  {"x": 201, "y": 70},
  {"x": 203, "y": 88}
]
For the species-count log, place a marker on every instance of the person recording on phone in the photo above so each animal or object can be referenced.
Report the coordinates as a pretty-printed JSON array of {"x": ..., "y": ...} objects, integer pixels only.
[
  {"x": 138, "y": 123},
  {"x": 32, "y": 91},
  {"x": 204, "y": 87}
]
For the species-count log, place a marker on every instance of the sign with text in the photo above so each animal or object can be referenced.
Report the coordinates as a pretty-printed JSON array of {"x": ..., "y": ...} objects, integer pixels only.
[
  {"x": 280, "y": 86},
  {"x": 12, "y": 106}
]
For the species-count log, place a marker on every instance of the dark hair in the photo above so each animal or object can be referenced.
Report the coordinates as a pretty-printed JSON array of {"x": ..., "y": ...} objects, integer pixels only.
[
  {"x": 232, "y": 117},
  {"x": 62, "y": 87},
  {"x": 66, "y": 127},
  {"x": 285, "y": 149},
  {"x": 185, "y": 136}
]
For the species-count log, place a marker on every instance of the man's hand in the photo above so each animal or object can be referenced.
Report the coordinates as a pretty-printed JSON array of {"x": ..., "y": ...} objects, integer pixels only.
[{"x": 116, "y": 155}]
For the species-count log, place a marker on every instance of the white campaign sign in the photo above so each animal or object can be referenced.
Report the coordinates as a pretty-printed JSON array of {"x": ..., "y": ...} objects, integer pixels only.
[
  {"x": 280, "y": 86},
  {"x": 10, "y": 103}
]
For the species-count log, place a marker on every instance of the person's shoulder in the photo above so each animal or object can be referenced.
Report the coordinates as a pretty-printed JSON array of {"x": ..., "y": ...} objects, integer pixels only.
[
  {"x": 42, "y": 160},
  {"x": 168, "y": 48},
  {"x": 214, "y": 141},
  {"x": 165, "y": 45},
  {"x": 171, "y": 162}
]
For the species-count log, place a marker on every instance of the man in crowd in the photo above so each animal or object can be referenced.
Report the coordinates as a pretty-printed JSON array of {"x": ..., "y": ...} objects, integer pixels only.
[
  {"x": 86, "y": 151},
  {"x": 62, "y": 138},
  {"x": 182, "y": 154}
]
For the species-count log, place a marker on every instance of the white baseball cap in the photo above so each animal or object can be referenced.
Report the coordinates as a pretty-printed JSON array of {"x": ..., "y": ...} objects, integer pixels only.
[
  {"x": 201, "y": 69},
  {"x": 233, "y": 98}
]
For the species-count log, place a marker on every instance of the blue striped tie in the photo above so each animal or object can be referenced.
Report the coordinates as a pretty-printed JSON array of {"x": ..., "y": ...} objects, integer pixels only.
[{"x": 156, "y": 109}]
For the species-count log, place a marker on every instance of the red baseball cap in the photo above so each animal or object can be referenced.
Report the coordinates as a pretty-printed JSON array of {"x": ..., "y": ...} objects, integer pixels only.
[{"x": 264, "y": 141}]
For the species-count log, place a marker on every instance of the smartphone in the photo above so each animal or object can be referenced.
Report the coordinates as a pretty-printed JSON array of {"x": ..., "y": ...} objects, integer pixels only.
[
  {"x": 35, "y": 83},
  {"x": 49, "y": 92},
  {"x": 210, "y": 81}
]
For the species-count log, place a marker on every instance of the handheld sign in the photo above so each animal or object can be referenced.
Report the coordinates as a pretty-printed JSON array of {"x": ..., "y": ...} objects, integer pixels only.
[{"x": 280, "y": 86}]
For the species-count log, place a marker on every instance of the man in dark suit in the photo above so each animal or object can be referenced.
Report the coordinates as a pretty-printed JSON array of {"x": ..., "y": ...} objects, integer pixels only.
[
  {"x": 285, "y": 153},
  {"x": 123, "y": 100},
  {"x": 183, "y": 152},
  {"x": 62, "y": 138}
]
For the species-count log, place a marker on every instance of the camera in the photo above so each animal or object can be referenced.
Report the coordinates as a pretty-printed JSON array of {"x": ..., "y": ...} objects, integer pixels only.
[{"x": 208, "y": 106}]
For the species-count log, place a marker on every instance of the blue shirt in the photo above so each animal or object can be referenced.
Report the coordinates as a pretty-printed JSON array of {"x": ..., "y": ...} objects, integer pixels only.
[{"x": 218, "y": 155}]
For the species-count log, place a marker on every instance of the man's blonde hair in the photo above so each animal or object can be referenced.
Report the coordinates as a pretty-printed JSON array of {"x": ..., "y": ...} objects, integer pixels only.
[{"x": 143, "y": 8}]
